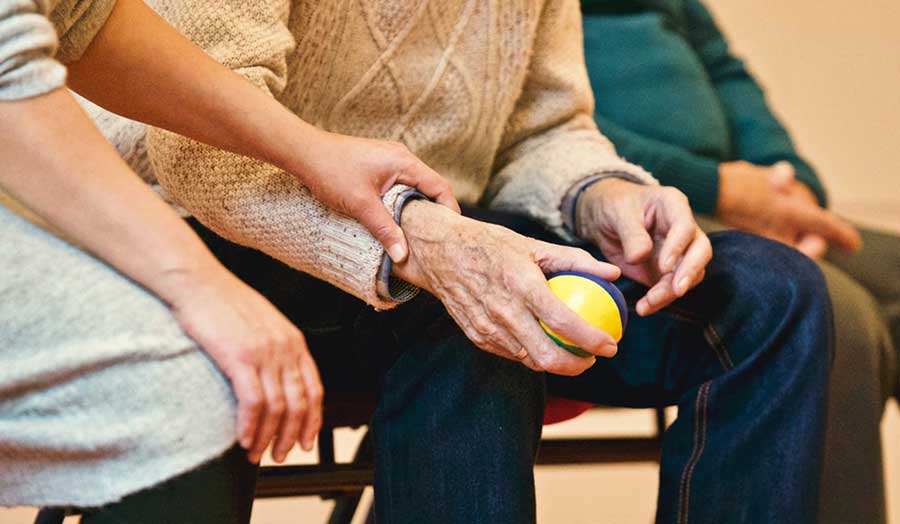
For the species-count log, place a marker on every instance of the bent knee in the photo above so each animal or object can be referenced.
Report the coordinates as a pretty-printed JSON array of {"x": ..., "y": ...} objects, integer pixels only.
[{"x": 767, "y": 271}]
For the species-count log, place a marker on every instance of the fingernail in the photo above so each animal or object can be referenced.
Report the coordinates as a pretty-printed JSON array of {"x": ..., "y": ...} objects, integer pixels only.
[
  {"x": 641, "y": 308},
  {"x": 396, "y": 252},
  {"x": 245, "y": 442},
  {"x": 683, "y": 285},
  {"x": 610, "y": 350}
]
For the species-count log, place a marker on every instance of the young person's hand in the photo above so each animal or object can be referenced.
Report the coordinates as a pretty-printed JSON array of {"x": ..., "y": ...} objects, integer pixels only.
[
  {"x": 770, "y": 202},
  {"x": 649, "y": 232},
  {"x": 59, "y": 166},
  {"x": 351, "y": 174},
  {"x": 197, "y": 97},
  {"x": 262, "y": 353}
]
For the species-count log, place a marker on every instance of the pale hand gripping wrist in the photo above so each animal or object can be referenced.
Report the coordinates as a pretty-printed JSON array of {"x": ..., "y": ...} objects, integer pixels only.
[{"x": 351, "y": 174}]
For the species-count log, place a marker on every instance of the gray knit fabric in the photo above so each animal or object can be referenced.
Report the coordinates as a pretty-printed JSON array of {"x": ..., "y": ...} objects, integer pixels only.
[
  {"x": 101, "y": 394},
  {"x": 36, "y": 35}
]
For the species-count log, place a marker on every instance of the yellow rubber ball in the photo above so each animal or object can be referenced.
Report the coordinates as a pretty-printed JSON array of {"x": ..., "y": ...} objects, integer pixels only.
[{"x": 597, "y": 301}]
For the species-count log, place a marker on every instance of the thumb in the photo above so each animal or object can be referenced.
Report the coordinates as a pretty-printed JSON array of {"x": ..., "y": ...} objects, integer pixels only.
[
  {"x": 379, "y": 222},
  {"x": 812, "y": 245},
  {"x": 781, "y": 174}
]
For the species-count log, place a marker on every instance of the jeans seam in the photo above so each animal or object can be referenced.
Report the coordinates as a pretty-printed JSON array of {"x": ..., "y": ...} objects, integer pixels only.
[
  {"x": 709, "y": 333},
  {"x": 714, "y": 340},
  {"x": 684, "y": 495}
]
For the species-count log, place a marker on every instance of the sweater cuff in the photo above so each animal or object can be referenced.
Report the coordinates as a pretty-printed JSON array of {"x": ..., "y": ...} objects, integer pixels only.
[
  {"x": 389, "y": 287},
  {"x": 569, "y": 205},
  {"x": 28, "y": 42},
  {"x": 77, "y": 28},
  {"x": 806, "y": 176},
  {"x": 36, "y": 78}
]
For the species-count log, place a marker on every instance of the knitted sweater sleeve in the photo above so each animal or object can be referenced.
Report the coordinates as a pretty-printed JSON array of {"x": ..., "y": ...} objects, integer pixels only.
[
  {"x": 757, "y": 134},
  {"x": 34, "y": 43},
  {"x": 250, "y": 202},
  {"x": 551, "y": 141}
]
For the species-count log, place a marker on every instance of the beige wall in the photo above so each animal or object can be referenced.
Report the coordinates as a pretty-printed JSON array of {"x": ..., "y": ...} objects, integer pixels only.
[{"x": 832, "y": 70}]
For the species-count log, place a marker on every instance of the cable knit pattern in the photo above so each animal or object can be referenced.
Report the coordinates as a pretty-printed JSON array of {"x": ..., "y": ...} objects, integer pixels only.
[{"x": 493, "y": 95}]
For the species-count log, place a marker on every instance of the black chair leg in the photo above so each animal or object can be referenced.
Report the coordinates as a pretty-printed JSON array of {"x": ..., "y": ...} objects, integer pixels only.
[
  {"x": 345, "y": 506},
  {"x": 661, "y": 422},
  {"x": 50, "y": 516}
]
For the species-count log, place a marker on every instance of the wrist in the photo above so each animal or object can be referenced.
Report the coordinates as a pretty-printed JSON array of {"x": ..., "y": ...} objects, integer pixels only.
[
  {"x": 301, "y": 142},
  {"x": 586, "y": 211},
  {"x": 727, "y": 198},
  {"x": 427, "y": 227},
  {"x": 179, "y": 283}
]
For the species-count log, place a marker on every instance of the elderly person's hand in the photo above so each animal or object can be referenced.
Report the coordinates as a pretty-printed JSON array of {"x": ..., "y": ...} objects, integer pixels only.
[
  {"x": 770, "y": 202},
  {"x": 648, "y": 231},
  {"x": 492, "y": 282}
]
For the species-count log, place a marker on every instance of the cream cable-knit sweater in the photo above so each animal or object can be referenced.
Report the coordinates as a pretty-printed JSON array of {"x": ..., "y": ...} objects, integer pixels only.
[{"x": 492, "y": 95}]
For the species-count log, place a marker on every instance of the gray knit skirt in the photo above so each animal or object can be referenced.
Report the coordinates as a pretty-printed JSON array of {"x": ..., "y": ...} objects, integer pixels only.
[{"x": 101, "y": 394}]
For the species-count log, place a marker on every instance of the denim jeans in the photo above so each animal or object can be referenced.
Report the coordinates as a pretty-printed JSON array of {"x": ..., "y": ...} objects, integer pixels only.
[{"x": 745, "y": 356}]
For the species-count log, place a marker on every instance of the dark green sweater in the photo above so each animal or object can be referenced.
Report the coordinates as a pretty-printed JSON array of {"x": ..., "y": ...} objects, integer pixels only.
[{"x": 673, "y": 98}]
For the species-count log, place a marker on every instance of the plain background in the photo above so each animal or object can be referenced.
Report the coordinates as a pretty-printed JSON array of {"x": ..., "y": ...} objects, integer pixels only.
[{"x": 832, "y": 70}]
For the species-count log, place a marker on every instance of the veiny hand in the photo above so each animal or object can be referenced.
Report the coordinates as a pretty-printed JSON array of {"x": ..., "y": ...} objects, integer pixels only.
[
  {"x": 263, "y": 354},
  {"x": 492, "y": 282},
  {"x": 648, "y": 231},
  {"x": 770, "y": 202},
  {"x": 351, "y": 174}
]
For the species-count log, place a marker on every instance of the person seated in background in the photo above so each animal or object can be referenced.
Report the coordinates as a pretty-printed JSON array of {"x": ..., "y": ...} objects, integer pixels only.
[
  {"x": 495, "y": 96},
  {"x": 131, "y": 360},
  {"x": 675, "y": 100}
]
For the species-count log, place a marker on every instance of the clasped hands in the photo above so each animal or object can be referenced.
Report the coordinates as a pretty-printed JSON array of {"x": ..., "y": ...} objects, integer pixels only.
[{"x": 769, "y": 201}]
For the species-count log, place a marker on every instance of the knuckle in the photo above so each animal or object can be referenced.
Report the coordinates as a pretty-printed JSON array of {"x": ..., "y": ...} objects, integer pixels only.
[
  {"x": 253, "y": 402},
  {"x": 558, "y": 321},
  {"x": 315, "y": 395},
  {"x": 383, "y": 229},
  {"x": 477, "y": 338},
  {"x": 482, "y": 325},
  {"x": 296, "y": 409},
  {"x": 277, "y": 406},
  {"x": 674, "y": 194},
  {"x": 544, "y": 361},
  {"x": 279, "y": 341},
  {"x": 247, "y": 355}
]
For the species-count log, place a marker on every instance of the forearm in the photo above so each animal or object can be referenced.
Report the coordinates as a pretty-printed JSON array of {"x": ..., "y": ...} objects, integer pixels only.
[
  {"x": 758, "y": 136},
  {"x": 140, "y": 67},
  {"x": 258, "y": 205},
  {"x": 56, "y": 163}
]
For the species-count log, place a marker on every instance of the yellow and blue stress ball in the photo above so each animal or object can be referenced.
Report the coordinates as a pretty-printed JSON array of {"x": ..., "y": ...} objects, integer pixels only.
[{"x": 597, "y": 301}]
